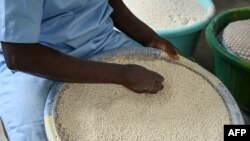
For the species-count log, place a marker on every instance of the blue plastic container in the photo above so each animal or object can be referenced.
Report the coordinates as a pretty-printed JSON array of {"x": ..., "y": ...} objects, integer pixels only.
[{"x": 186, "y": 37}]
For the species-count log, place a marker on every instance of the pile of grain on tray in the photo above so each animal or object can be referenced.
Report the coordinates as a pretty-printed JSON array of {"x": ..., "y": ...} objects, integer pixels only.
[
  {"x": 166, "y": 14},
  {"x": 188, "y": 108}
]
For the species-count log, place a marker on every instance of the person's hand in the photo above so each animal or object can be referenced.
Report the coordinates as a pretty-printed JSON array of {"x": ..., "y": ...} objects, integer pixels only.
[
  {"x": 141, "y": 80},
  {"x": 166, "y": 46}
]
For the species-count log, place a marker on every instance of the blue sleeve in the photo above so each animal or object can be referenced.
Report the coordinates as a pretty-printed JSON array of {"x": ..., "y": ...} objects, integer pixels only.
[{"x": 20, "y": 20}]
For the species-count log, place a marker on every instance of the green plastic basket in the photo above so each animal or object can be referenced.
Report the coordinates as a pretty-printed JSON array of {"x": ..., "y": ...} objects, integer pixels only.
[{"x": 231, "y": 70}]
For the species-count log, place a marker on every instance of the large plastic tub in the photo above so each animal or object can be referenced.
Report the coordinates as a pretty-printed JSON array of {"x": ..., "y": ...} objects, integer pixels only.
[
  {"x": 185, "y": 38},
  {"x": 234, "y": 113},
  {"x": 231, "y": 70}
]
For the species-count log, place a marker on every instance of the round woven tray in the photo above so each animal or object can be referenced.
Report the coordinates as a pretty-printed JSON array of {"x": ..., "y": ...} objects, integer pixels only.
[{"x": 141, "y": 53}]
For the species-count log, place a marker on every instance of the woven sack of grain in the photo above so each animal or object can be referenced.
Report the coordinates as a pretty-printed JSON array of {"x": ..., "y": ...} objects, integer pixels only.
[{"x": 236, "y": 38}]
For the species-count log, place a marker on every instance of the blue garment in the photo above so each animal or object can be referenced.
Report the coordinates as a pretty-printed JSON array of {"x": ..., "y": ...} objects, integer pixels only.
[
  {"x": 22, "y": 100},
  {"x": 77, "y": 27},
  {"x": 80, "y": 28},
  {"x": 2, "y": 62}
]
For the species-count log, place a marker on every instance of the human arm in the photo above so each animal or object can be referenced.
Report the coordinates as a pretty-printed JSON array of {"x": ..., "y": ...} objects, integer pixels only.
[
  {"x": 138, "y": 30},
  {"x": 45, "y": 62}
]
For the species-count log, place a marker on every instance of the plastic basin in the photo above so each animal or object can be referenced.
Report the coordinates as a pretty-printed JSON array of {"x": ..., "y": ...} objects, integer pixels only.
[
  {"x": 234, "y": 113},
  {"x": 231, "y": 70},
  {"x": 186, "y": 37}
]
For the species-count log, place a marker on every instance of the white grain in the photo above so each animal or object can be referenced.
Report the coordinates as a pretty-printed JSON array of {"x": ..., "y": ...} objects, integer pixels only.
[
  {"x": 167, "y": 14},
  {"x": 187, "y": 109}
]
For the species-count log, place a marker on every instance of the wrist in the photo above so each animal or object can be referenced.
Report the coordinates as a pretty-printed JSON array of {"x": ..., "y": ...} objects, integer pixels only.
[
  {"x": 154, "y": 42},
  {"x": 126, "y": 74},
  {"x": 122, "y": 75}
]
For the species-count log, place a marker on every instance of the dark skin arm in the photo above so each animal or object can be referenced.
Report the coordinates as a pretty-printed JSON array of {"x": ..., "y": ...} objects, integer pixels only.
[
  {"x": 138, "y": 30},
  {"x": 45, "y": 62}
]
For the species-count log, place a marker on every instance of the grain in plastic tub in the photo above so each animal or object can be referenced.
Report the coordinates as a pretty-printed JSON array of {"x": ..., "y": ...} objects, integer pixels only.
[
  {"x": 233, "y": 71},
  {"x": 184, "y": 37}
]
